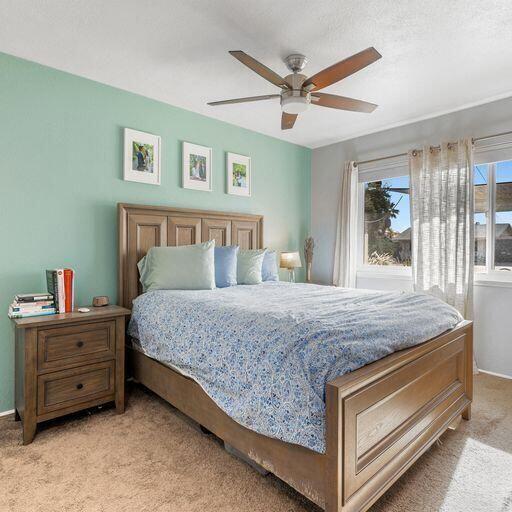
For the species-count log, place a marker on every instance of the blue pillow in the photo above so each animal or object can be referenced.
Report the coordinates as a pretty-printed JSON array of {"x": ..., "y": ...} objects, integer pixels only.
[
  {"x": 269, "y": 271},
  {"x": 225, "y": 266}
]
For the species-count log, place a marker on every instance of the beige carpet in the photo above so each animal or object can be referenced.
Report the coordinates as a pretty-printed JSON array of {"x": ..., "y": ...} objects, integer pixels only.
[{"x": 152, "y": 459}]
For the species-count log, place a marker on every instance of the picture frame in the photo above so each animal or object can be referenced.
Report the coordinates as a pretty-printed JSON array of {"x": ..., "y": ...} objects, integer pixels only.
[
  {"x": 142, "y": 157},
  {"x": 197, "y": 167},
  {"x": 238, "y": 175}
]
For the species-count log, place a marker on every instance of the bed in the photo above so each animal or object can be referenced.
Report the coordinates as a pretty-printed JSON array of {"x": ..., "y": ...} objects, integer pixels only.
[{"x": 377, "y": 418}]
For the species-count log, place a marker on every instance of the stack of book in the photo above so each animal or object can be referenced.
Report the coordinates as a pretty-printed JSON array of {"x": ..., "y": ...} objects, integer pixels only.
[
  {"x": 59, "y": 299},
  {"x": 32, "y": 304},
  {"x": 61, "y": 284}
]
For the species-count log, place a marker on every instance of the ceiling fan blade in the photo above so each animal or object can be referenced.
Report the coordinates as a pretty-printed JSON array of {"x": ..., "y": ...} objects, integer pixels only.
[
  {"x": 260, "y": 68},
  {"x": 341, "y": 69},
  {"x": 244, "y": 100},
  {"x": 341, "y": 102},
  {"x": 287, "y": 121}
]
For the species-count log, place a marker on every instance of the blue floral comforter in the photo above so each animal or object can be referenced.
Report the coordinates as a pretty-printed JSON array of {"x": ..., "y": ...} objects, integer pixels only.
[{"x": 264, "y": 353}]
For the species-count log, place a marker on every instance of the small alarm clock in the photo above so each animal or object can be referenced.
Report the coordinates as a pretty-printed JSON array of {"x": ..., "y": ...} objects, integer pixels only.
[{"x": 100, "y": 301}]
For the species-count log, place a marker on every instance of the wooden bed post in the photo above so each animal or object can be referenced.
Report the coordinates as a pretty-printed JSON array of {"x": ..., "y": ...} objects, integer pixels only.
[
  {"x": 333, "y": 449},
  {"x": 466, "y": 413}
]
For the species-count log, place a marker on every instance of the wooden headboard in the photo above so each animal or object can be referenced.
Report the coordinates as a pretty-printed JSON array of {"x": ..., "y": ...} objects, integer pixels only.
[{"x": 142, "y": 227}]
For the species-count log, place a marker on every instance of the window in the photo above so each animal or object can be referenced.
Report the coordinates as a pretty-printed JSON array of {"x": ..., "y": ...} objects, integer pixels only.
[
  {"x": 493, "y": 216},
  {"x": 481, "y": 173},
  {"x": 384, "y": 224},
  {"x": 387, "y": 222}
]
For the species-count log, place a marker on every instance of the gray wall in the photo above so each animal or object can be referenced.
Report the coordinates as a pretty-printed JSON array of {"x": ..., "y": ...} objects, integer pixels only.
[
  {"x": 493, "y": 301},
  {"x": 327, "y": 161}
]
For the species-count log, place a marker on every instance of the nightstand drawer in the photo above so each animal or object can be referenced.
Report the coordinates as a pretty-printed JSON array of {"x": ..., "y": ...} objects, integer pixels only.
[
  {"x": 67, "y": 388},
  {"x": 65, "y": 346}
]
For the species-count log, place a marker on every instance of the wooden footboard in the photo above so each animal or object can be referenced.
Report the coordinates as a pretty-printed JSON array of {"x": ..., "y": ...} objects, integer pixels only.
[{"x": 381, "y": 418}]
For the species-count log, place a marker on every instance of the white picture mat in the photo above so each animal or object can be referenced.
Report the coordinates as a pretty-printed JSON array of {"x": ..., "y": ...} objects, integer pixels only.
[
  {"x": 195, "y": 149},
  {"x": 234, "y": 158},
  {"x": 145, "y": 138}
]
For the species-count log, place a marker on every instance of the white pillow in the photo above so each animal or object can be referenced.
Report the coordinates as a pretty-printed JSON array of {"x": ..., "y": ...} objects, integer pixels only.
[
  {"x": 249, "y": 264},
  {"x": 188, "y": 267}
]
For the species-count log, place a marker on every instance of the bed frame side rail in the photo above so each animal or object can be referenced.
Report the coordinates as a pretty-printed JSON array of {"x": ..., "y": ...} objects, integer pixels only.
[{"x": 301, "y": 468}]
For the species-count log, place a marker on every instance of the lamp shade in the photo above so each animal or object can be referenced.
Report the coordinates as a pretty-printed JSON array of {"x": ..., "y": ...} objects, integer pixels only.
[{"x": 290, "y": 260}]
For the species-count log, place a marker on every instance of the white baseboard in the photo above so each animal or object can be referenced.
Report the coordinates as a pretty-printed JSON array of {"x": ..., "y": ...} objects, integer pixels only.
[
  {"x": 495, "y": 374},
  {"x": 6, "y": 413}
]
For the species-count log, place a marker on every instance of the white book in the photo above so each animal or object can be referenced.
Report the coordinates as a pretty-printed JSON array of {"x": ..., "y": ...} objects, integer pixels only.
[
  {"x": 44, "y": 312},
  {"x": 62, "y": 293},
  {"x": 15, "y": 306}
]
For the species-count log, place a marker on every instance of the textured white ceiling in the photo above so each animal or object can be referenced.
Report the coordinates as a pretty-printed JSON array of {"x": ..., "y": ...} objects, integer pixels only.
[{"x": 438, "y": 55}]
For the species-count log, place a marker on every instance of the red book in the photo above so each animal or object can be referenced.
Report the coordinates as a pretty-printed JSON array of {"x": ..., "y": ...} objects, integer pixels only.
[{"x": 68, "y": 289}]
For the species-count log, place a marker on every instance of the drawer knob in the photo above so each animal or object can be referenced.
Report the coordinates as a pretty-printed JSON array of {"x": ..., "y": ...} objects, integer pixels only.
[
  {"x": 79, "y": 386},
  {"x": 80, "y": 344}
]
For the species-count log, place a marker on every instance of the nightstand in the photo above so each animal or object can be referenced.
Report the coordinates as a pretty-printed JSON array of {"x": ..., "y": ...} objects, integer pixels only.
[{"x": 68, "y": 362}]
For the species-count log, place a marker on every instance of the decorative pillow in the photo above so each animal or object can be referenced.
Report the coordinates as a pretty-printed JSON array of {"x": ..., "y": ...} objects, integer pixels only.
[
  {"x": 269, "y": 270},
  {"x": 188, "y": 267},
  {"x": 225, "y": 266},
  {"x": 248, "y": 270}
]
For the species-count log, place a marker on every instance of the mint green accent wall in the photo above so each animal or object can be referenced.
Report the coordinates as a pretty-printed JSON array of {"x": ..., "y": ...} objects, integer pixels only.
[{"x": 61, "y": 141}]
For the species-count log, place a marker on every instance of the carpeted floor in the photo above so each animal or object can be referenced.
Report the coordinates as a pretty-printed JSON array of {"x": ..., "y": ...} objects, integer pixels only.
[{"x": 152, "y": 459}]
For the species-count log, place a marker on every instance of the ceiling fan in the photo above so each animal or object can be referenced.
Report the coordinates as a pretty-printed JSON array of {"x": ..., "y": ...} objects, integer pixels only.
[{"x": 298, "y": 91}]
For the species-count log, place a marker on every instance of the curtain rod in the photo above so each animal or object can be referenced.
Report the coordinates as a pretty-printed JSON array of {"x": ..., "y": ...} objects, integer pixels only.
[{"x": 389, "y": 157}]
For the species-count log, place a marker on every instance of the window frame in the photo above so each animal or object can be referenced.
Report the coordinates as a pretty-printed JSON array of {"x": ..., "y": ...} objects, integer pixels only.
[
  {"x": 490, "y": 273},
  {"x": 499, "y": 149}
]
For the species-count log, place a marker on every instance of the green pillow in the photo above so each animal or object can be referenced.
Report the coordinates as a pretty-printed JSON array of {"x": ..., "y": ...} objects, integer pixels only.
[
  {"x": 248, "y": 269},
  {"x": 188, "y": 267}
]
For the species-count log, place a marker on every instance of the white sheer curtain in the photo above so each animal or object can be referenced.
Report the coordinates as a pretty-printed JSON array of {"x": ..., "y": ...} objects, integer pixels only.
[
  {"x": 345, "y": 250},
  {"x": 442, "y": 223}
]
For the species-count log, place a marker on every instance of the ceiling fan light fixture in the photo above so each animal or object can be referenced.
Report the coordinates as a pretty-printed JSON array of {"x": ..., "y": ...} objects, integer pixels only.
[
  {"x": 297, "y": 89},
  {"x": 295, "y": 102}
]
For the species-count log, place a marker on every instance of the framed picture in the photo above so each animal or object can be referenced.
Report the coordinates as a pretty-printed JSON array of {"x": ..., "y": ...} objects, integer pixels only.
[
  {"x": 141, "y": 157},
  {"x": 197, "y": 167},
  {"x": 239, "y": 174}
]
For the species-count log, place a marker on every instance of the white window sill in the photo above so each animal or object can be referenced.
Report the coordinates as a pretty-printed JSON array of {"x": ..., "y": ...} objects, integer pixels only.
[
  {"x": 385, "y": 272},
  {"x": 498, "y": 279},
  {"x": 501, "y": 279}
]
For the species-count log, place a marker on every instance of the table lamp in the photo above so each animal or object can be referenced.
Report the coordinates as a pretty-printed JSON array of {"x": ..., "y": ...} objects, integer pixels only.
[{"x": 291, "y": 261}]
